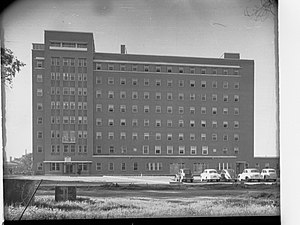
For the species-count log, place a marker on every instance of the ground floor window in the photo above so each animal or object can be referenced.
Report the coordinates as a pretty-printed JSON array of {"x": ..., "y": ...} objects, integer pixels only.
[
  {"x": 98, "y": 166},
  {"x": 111, "y": 166},
  {"x": 39, "y": 166},
  {"x": 82, "y": 167},
  {"x": 154, "y": 166},
  {"x": 200, "y": 167},
  {"x": 123, "y": 166},
  {"x": 135, "y": 166},
  {"x": 54, "y": 167}
]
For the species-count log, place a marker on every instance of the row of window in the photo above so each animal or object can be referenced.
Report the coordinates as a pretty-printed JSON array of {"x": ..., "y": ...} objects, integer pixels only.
[
  {"x": 69, "y": 105},
  {"x": 169, "y": 109},
  {"x": 65, "y": 91},
  {"x": 166, "y": 69},
  {"x": 158, "y": 96},
  {"x": 157, "y": 150},
  {"x": 56, "y": 61},
  {"x": 168, "y": 136},
  {"x": 169, "y": 82},
  {"x": 65, "y": 76},
  {"x": 69, "y": 148},
  {"x": 67, "y": 120},
  {"x": 146, "y": 109}
]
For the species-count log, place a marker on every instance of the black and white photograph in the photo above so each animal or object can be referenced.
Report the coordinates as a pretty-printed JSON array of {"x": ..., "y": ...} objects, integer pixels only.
[{"x": 140, "y": 109}]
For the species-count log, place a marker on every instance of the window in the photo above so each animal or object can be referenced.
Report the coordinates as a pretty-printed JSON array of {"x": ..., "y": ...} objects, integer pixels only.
[
  {"x": 192, "y": 83},
  {"x": 158, "y": 82},
  {"x": 192, "y": 137},
  {"x": 180, "y": 70},
  {"x": 40, "y": 120},
  {"x": 98, "y": 135},
  {"x": 110, "y": 122},
  {"x": 146, "y": 136},
  {"x": 54, "y": 166},
  {"x": 169, "y": 96},
  {"x": 134, "y": 95},
  {"x": 193, "y": 150},
  {"x": 203, "y": 110},
  {"x": 98, "y": 166},
  {"x": 134, "y": 82},
  {"x": 225, "y": 98},
  {"x": 146, "y": 123},
  {"x": 123, "y": 122},
  {"x": 123, "y": 108},
  {"x": 39, "y": 63},
  {"x": 169, "y": 83},
  {"x": 111, "y": 135},
  {"x": 146, "y": 108},
  {"x": 170, "y": 109},
  {"x": 40, "y": 134},
  {"x": 225, "y": 150},
  {"x": 203, "y": 84},
  {"x": 98, "y": 80},
  {"x": 135, "y": 166},
  {"x": 110, "y": 166},
  {"x": 169, "y": 150},
  {"x": 111, "y": 94},
  {"x": 169, "y": 123},
  {"x": 181, "y": 96},
  {"x": 122, "y": 95},
  {"x": 39, "y": 92},
  {"x": 192, "y": 97},
  {"x": 158, "y": 96},
  {"x": 236, "y": 98},
  {"x": 225, "y": 111},
  {"x": 123, "y": 136},
  {"x": 214, "y": 110},
  {"x": 134, "y": 67},
  {"x": 146, "y": 82},
  {"x": 169, "y": 137},
  {"x": 157, "y": 149},
  {"x": 203, "y": 71},
  {"x": 236, "y": 150},
  {"x": 146, "y": 68},
  {"x": 79, "y": 77},
  {"x": 181, "y": 83},
  {"x": 203, "y": 97},
  {"x": 181, "y": 123},
  {"x": 122, "y": 67},
  {"x": 158, "y": 109},
  {"x": 192, "y": 123},
  {"x": 66, "y": 148},
  {"x": 98, "y": 107},
  {"x": 134, "y": 122},
  {"x": 215, "y": 71},
  {"x": 192, "y": 70},
  {"x": 39, "y": 166},
  {"x": 203, "y": 123},
  {"x": 134, "y": 108},
  {"x": 123, "y": 149},
  {"x": 146, "y": 95},
  {"x": 158, "y": 136},
  {"x": 158, "y": 123},
  {"x": 39, "y": 149},
  {"x": 111, "y": 108},
  {"x": 236, "y": 85},
  {"x": 111, "y": 81},
  {"x": 111, "y": 149},
  {"x": 225, "y": 124},
  {"x": 181, "y": 150},
  {"x": 110, "y": 67},
  {"x": 236, "y": 137},
  {"x": 236, "y": 124},
  {"x": 204, "y": 150},
  {"x": 236, "y": 111},
  {"x": 192, "y": 110},
  {"x": 180, "y": 137},
  {"x": 180, "y": 110},
  {"x": 236, "y": 72},
  {"x": 225, "y": 85},
  {"x": 79, "y": 91},
  {"x": 123, "y": 166},
  {"x": 214, "y": 84},
  {"x": 134, "y": 136},
  {"x": 225, "y": 137},
  {"x": 39, "y": 78},
  {"x": 214, "y": 137},
  {"x": 145, "y": 149},
  {"x": 225, "y": 72}
]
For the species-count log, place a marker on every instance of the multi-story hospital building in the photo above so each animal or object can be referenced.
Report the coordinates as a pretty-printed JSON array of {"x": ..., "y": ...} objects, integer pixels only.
[{"x": 118, "y": 113}]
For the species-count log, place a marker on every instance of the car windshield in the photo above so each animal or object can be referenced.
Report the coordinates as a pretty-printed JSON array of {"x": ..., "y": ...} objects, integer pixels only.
[
  {"x": 254, "y": 171},
  {"x": 212, "y": 171}
]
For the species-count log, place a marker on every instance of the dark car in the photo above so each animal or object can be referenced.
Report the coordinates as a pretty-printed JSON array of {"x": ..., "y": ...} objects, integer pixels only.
[{"x": 185, "y": 175}]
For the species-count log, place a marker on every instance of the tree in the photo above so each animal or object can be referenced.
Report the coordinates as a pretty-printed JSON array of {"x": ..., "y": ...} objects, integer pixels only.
[
  {"x": 264, "y": 10},
  {"x": 10, "y": 65}
]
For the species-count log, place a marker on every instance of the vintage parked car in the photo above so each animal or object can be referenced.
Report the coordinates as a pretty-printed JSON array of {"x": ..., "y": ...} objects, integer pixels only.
[
  {"x": 228, "y": 175},
  {"x": 269, "y": 174},
  {"x": 185, "y": 175},
  {"x": 250, "y": 175},
  {"x": 210, "y": 175}
]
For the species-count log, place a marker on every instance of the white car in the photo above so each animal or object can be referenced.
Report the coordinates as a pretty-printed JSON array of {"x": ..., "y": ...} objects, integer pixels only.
[
  {"x": 250, "y": 175},
  {"x": 210, "y": 175},
  {"x": 269, "y": 174}
]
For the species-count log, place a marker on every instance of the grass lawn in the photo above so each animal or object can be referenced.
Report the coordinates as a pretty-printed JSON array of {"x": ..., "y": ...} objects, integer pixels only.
[{"x": 45, "y": 207}]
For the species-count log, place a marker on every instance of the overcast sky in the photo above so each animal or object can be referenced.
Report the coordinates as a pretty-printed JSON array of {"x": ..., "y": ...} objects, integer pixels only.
[{"x": 198, "y": 28}]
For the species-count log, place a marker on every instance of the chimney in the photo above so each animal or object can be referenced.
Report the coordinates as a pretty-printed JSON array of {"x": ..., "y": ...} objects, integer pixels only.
[{"x": 123, "y": 49}]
